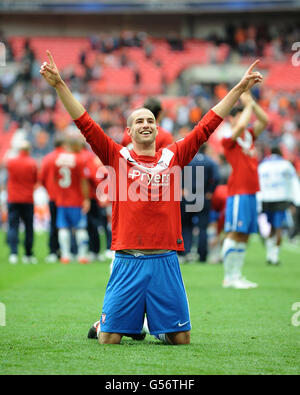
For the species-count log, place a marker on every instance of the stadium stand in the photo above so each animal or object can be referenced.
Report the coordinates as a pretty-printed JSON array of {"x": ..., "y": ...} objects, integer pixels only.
[{"x": 114, "y": 71}]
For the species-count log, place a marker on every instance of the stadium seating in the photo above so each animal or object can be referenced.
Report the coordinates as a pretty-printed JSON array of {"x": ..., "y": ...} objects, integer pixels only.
[
  {"x": 164, "y": 64},
  {"x": 135, "y": 72},
  {"x": 284, "y": 76}
]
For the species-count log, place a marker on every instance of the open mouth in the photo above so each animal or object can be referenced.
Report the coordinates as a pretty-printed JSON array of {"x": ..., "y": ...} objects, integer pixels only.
[{"x": 146, "y": 132}]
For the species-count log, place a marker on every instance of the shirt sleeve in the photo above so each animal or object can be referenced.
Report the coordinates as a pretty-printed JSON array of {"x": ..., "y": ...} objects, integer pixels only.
[
  {"x": 228, "y": 142},
  {"x": 188, "y": 147},
  {"x": 103, "y": 146}
]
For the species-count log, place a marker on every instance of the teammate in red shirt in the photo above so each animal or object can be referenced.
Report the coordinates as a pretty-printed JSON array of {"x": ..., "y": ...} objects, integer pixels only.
[
  {"x": 218, "y": 205},
  {"x": 146, "y": 221},
  {"x": 22, "y": 178},
  {"x": 163, "y": 138},
  {"x": 241, "y": 206},
  {"x": 93, "y": 216},
  {"x": 46, "y": 178},
  {"x": 217, "y": 219},
  {"x": 72, "y": 200}
]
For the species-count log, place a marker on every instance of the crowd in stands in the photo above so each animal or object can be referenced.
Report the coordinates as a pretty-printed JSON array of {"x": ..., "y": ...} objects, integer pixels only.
[{"x": 27, "y": 100}]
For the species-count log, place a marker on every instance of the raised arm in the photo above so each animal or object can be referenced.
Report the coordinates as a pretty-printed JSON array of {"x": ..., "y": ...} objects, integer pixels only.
[
  {"x": 51, "y": 75},
  {"x": 245, "y": 116},
  {"x": 250, "y": 78},
  {"x": 262, "y": 118}
]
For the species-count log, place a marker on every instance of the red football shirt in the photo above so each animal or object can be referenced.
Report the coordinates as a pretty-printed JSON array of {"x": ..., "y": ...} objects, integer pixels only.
[
  {"x": 22, "y": 177},
  {"x": 163, "y": 138},
  {"x": 68, "y": 174},
  {"x": 91, "y": 163},
  {"x": 46, "y": 174},
  {"x": 146, "y": 200},
  {"x": 241, "y": 155},
  {"x": 218, "y": 204}
]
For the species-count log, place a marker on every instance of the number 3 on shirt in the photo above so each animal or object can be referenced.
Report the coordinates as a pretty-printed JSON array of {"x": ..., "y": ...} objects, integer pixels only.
[{"x": 65, "y": 181}]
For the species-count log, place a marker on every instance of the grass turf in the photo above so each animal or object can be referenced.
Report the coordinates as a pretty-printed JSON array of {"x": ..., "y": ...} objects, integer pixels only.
[{"x": 50, "y": 307}]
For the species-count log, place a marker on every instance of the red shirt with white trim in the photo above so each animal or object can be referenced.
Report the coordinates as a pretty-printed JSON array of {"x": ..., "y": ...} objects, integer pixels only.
[
  {"x": 91, "y": 163},
  {"x": 22, "y": 177},
  {"x": 218, "y": 204},
  {"x": 46, "y": 175},
  {"x": 146, "y": 198},
  {"x": 69, "y": 171},
  {"x": 241, "y": 155}
]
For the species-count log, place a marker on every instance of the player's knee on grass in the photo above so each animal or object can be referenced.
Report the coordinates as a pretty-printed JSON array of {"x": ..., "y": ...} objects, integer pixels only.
[
  {"x": 178, "y": 338},
  {"x": 109, "y": 338}
]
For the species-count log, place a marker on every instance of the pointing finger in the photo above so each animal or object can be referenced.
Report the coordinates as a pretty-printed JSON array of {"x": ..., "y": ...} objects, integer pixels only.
[
  {"x": 252, "y": 66},
  {"x": 50, "y": 58}
]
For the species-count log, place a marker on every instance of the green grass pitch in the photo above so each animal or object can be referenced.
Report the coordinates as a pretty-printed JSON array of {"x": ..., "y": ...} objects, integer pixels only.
[{"x": 50, "y": 307}]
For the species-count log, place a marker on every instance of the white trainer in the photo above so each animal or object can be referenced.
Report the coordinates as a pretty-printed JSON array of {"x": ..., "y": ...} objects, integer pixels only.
[
  {"x": 29, "y": 259},
  {"x": 13, "y": 259},
  {"x": 228, "y": 283},
  {"x": 52, "y": 258},
  {"x": 249, "y": 283},
  {"x": 109, "y": 254},
  {"x": 240, "y": 283}
]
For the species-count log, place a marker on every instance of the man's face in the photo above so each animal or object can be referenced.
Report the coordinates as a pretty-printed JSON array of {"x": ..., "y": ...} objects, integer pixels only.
[
  {"x": 142, "y": 128},
  {"x": 234, "y": 119}
]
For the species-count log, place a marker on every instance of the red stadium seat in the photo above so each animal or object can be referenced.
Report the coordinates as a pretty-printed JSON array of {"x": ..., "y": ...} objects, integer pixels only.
[{"x": 284, "y": 76}]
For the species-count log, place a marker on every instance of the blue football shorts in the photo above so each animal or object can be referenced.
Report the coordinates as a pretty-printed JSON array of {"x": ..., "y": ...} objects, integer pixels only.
[
  {"x": 70, "y": 217},
  {"x": 148, "y": 284},
  {"x": 241, "y": 214},
  {"x": 278, "y": 219}
]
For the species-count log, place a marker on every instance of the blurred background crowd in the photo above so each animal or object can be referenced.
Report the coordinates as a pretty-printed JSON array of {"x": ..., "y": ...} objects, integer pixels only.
[{"x": 113, "y": 72}]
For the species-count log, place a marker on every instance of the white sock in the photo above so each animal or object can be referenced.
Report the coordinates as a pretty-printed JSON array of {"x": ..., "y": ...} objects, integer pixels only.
[
  {"x": 270, "y": 243},
  {"x": 82, "y": 240},
  {"x": 145, "y": 327},
  {"x": 275, "y": 254},
  {"x": 229, "y": 256},
  {"x": 64, "y": 239},
  {"x": 241, "y": 254},
  {"x": 98, "y": 330},
  {"x": 163, "y": 337}
]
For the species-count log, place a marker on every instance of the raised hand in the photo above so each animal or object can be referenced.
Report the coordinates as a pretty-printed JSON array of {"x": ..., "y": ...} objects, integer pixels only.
[
  {"x": 50, "y": 71},
  {"x": 246, "y": 98},
  {"x": 250, "y": 78}
]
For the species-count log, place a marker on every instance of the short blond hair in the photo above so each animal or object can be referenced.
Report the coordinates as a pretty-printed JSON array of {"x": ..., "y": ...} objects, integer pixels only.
[{"x": 131, "y": 116}]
